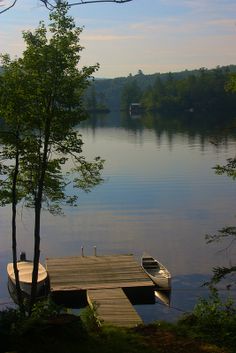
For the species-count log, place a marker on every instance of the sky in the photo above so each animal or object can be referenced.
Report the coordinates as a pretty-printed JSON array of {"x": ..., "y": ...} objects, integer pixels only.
[{"x": 148, "y": 35}]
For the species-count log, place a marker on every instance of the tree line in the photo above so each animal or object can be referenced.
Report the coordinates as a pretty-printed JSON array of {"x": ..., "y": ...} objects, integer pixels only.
[{"x": 202, "y": 90}]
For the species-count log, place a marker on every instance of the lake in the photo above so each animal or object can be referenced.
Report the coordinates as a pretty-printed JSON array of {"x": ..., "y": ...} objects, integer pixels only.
[{"x": 160, "y": 195}]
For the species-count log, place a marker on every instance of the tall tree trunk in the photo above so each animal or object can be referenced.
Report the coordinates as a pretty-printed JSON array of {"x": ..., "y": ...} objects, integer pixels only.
[
  {"x": 14, "y": 241},
  {"x": 37, "y": 210}
]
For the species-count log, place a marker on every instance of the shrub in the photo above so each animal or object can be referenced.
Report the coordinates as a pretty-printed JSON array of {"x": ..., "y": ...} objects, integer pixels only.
[{"x": 213, "y": 319}]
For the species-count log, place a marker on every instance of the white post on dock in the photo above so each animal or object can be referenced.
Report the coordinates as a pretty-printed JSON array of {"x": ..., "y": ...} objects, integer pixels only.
[
  {"x": 95, "y": 250},
  {"x": 82, "y": 251}
]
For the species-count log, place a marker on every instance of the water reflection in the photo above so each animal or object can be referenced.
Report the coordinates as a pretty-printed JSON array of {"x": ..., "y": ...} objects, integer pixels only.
[
  {"x": 186, "y": 289},
  {"x": 200, "y": 129},
  {"x": 160, "y": 195}
]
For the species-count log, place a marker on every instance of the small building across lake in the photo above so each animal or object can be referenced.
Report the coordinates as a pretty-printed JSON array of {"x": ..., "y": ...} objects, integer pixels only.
[{"x": 135, "y": 109}]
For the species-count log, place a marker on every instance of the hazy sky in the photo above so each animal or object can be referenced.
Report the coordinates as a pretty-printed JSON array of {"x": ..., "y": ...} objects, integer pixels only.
[{"x": 151, "y": 35}]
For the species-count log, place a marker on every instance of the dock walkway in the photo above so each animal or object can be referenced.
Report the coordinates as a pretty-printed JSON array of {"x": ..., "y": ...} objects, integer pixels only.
[
  {"x": 112, "y": 281},
  {"x": 113, "y": 307}
]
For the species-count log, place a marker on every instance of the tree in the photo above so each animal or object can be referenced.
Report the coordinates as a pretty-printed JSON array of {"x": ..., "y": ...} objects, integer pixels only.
[
  {"x": 11, "y": 137},
  {"x": 131, "y": 93},
  {"x": 51, "y": 87},
  {"x": 52, "y": 4},
  {"x": 229, "y": 232}
]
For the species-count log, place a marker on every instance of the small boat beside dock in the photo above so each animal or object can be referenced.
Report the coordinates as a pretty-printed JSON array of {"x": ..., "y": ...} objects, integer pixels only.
[
  {"x": 156, "y": 271},
  {"x": 25, "y": 268}
]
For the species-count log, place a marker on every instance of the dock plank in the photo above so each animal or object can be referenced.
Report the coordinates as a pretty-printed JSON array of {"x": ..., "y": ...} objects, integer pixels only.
[
  {"x": 112, "y": 281},
  {"x": 86, "y": 272},
  {"x": 112, "y": 307}
]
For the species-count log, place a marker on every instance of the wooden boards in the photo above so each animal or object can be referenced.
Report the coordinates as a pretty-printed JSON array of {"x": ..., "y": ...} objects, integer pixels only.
[
  {"x": 112, "y": 307},
  {"x": 108, "y": 283},
  {"x": 96, "y": 272}
]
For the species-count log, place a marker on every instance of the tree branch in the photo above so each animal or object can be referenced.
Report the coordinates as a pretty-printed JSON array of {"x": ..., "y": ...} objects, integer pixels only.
[
  {"x": 82, "y": 2},
  {"x": 9, "y": 7},
  {"x": 50, "y": 6}
]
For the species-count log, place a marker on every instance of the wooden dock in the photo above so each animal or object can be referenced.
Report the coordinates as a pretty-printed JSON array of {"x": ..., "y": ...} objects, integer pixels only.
[
  {"x": 113, "y": 282},
  {"x": 112, "y": 307}
]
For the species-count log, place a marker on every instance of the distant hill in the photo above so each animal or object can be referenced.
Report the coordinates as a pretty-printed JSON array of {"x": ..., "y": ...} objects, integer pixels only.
[{"x": 107, "y": 92}]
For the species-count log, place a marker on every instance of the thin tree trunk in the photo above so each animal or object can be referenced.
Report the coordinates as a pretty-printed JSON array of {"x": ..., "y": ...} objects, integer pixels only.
[
  {"x": 38, "y": 207},
  {"x": 38, "y": 203},
  {"x": 14, "y": 241}
]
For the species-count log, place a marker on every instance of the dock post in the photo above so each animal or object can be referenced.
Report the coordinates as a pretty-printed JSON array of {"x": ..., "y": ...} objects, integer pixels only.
[
  {"x": 95, "y": 250},
  {"x": 82, "y": 251}
]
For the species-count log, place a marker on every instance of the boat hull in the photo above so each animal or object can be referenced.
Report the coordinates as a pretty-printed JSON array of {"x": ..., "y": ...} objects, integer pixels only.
[
  {"x": 158, "y": 273},
  {"x": 25, "y": 269},
  {"x": 42, "y": 292},
  {"x": 161, "y": 282}
]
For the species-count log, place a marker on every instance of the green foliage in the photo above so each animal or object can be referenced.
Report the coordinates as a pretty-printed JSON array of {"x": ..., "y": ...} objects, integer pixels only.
[
  {"x": 201, "y": 90},
  {"x": 66, "y": 333},
  {"x": 41, "y": 103},
  {"x": 45, "y": 309},
  {"x": 117, "y": 340},
  {"x": 229, "y": 168},
  {"x": 213, "y": 319},
  {"x": 222, "y": 233},
  {"x": 231, "y": 84},
  {"x": 226, "y": 233},
  {"x": 222, "y": 272},
  {"x": 204, "y": 91},
  {"x": 131, "y": 93},
  {"x": 41, "y": 98},
  {"x": 9, "y": 319},
  {"x": 90, "y": 320}
]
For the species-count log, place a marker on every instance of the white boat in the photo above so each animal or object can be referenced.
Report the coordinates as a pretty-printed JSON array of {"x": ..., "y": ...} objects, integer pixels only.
[
  {"x": 25, "y": 269},
  {"x": 157, "y": 272}
]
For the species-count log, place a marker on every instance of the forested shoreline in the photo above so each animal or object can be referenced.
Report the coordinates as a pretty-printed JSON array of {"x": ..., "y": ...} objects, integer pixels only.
[
  {"x": 194, "y": 91},
  {"x": 202, "y": 90}
]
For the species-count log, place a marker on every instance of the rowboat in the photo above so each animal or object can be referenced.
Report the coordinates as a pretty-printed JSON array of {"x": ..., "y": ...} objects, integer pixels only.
[
  {"x": 25, "y": 268},
  {"x": 156, "y": 271}
]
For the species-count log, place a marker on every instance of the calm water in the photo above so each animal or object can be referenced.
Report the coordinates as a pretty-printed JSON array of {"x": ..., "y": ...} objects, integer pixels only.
[{"x": 160, "y": 195}]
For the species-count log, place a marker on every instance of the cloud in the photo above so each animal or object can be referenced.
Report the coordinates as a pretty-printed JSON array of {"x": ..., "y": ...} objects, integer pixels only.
[
  {"x": 203, "y": 5},
  {"x": 223, "y": 23},
  {"x": 188, "y": 25},
  {"x": 109, "y": 37},
  {"x": 161, "y": 47},
  {"x": 156, "y": 36}
]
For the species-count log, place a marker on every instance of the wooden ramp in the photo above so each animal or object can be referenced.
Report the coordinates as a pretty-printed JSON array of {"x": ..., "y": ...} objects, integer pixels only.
[{"x": 112, "y": 307}]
